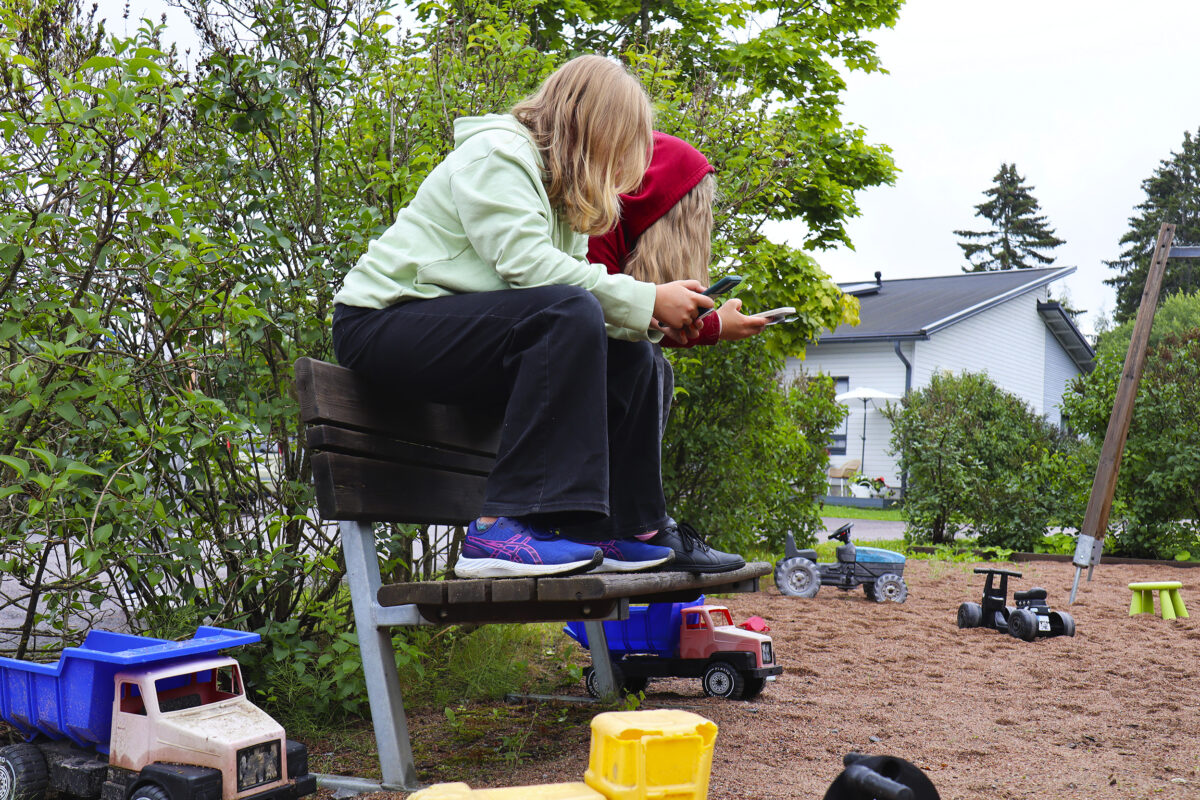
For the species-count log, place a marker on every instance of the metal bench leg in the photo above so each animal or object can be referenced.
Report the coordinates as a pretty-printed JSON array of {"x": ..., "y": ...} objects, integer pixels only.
[
  {"x": 606, "y": 684},
  {"x": 378, "y": 658}
]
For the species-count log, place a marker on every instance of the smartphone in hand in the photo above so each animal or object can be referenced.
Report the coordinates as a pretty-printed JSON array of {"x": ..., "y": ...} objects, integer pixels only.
[
  {"x": 777, "y": 315},
  {"x": 722, "y": 286}
]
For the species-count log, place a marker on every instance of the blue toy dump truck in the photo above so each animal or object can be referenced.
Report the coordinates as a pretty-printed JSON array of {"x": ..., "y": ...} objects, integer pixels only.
[
  {"x": 136, "y": 718},
  {"x": 690, "y": 640}
]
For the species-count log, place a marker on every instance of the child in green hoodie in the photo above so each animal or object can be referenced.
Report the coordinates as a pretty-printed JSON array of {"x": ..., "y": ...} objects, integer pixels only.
[{"x": 481, "y": 293}]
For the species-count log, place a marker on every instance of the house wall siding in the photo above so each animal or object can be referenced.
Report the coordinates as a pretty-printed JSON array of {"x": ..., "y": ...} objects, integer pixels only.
[
  {"x": 1060, "y": 370},
  {"x": 873, "y": 365},
  {"x": 1008, "y": 342}
]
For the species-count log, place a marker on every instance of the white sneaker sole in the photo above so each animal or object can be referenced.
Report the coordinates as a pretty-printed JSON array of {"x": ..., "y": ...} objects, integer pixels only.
[
  {"x": 499, "y": 568},
  {"x": 613, "y": 565}
]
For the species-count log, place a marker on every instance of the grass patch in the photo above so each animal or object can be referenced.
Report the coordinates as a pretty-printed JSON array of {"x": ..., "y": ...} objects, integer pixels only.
[{"x": 854, "y": 512}]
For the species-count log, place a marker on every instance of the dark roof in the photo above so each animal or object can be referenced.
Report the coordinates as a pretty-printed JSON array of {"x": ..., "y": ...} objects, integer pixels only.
[{"x": 914, "y": 308}]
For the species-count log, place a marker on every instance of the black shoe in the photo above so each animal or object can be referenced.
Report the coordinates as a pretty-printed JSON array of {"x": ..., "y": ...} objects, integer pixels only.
[{"x": 692, "y": 554}]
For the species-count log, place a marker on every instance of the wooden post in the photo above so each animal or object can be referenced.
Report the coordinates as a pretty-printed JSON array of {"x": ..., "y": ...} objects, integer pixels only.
[{"x": 1095, "y": 519}]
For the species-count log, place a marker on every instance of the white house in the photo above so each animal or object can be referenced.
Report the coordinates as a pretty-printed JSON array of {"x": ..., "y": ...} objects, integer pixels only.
[{"x": 1001, "y": 323}]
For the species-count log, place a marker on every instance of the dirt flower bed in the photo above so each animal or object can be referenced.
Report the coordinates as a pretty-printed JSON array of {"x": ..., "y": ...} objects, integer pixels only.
[{"x": 1113, "y": 713}]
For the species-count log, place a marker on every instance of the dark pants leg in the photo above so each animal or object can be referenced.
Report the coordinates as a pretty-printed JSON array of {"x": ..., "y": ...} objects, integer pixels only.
[{"x": 542, "y": 353}]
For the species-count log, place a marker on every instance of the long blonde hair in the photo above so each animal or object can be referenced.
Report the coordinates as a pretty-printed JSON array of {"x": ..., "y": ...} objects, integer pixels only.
[
  {"x": 592, "y": 121},
  {"x": 679, "y": 243}
]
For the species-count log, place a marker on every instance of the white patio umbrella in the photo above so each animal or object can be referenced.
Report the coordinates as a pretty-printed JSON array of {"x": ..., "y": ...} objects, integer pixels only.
[{"x": 866, "y": 395}]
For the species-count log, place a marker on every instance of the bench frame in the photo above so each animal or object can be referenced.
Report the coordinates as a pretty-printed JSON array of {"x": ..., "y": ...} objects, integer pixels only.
[{"x": 381, "y": 458}]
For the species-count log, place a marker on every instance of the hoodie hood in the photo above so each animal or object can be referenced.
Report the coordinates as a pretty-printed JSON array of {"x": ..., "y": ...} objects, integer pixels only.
[
  {"x": 466, "y": 127},
  {"x": 675, "y": 168}
]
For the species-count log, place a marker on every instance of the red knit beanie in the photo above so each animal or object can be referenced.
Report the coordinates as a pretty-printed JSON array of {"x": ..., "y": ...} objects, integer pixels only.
[{"x": 675, "y": 167}]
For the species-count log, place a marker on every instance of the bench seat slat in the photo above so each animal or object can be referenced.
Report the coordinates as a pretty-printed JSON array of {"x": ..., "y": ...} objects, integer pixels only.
[{"x": 583, "y": 588}]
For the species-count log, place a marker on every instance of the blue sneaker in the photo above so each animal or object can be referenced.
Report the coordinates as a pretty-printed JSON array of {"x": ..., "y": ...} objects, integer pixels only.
[
  {"x": 631, "y": 555},
  {"x": 509, "y": 548}
]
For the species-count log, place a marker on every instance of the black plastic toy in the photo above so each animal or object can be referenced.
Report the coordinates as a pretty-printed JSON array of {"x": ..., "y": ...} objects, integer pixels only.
[
  {"x": 1029, "y": 619},
  {"x": 880, "y": 778},
  {"x": 879, "y": 571}
]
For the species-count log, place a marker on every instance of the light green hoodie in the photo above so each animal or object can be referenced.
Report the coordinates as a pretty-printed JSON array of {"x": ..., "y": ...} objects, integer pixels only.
[{"x": 480, "y": 222}]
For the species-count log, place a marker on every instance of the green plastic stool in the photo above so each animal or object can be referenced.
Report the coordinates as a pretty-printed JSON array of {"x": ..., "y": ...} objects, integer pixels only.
[{"x": 1169, "y": 599}]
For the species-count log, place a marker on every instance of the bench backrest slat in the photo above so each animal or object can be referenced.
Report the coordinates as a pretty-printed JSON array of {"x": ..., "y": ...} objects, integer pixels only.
[{"x": 382, "y": 457}]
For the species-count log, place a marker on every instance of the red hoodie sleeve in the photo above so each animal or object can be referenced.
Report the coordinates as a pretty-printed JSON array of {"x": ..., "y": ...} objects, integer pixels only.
[
  {"x": 607, "y": 249},
  {"x": 710, "y": 333}
]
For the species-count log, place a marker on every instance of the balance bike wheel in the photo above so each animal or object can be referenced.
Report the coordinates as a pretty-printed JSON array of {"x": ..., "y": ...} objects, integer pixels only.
[
  {"x": 1023, "y": 624},
  {"x": 970, "y": 615}
]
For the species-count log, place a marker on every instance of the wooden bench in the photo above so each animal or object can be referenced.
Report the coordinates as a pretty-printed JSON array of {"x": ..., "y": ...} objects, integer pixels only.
[{"x": 379, "y": 457}]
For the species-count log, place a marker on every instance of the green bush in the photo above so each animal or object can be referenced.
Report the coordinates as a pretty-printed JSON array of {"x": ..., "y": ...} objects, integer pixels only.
[
  {"x": 1156, "y": 508},
  {"x": 744, "y": 457},
  {"x": 977, "y": 457},
  {"x": 171, "y": 237}
]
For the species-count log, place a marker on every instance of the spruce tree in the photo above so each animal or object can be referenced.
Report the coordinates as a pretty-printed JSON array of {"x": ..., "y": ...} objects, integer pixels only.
[
  {"x": 1018, "y": 233},
  {"x": 1172, "y": 195}
]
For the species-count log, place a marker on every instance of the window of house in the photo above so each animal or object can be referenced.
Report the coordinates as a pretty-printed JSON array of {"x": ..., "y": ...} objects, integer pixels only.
[{"x": 838, "y": 446}]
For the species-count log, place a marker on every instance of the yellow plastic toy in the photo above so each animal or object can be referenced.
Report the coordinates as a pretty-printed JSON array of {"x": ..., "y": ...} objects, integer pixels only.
[{"x": 635, "y": 755}]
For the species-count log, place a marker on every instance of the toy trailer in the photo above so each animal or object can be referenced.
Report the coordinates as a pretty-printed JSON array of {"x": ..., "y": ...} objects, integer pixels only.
[
  {"x": 136, "y": 718},
  {"x": 686, "y": 640}
]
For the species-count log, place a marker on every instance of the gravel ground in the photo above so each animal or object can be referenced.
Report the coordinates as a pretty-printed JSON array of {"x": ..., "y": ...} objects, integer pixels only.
[{"x": 1110, "y": 714}]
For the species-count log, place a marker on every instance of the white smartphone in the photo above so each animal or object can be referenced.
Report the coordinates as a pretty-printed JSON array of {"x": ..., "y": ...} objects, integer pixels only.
[{"x": 776, "y": 315}]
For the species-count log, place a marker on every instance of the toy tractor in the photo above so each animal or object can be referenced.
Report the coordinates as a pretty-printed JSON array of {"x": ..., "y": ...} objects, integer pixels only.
[
  {"x": 1029, "y": 619},
  {"x": 880, "y": 572}
]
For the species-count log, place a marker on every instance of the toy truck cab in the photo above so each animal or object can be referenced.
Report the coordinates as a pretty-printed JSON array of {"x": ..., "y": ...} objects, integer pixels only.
[
  {"x": 197, "y": 713},
  {"x": 125, "y": 717}
]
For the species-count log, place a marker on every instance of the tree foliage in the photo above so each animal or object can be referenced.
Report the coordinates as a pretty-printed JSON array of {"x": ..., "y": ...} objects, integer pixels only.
[
  {"x": 1172, "y": 195},
  {"x": 979, "y": 459},
  {"x": 170, "y": 242},
  {"x": 1018, "y": 234},
  {"x": 1156, "y": 507},
  {"x": 744, "y": 457},
  {"x": 1176, "y": 315}
]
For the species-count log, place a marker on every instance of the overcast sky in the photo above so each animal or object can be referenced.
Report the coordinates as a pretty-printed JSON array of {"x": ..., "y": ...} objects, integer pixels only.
[{"x": 1086, "y": 97}]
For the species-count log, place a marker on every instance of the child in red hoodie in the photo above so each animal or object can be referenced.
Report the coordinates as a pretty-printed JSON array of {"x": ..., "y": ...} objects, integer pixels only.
[{"x": 664, "y": 235}]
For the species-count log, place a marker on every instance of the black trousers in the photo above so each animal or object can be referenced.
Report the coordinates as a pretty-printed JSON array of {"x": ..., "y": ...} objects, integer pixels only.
[{"x": 579, "y": 448}]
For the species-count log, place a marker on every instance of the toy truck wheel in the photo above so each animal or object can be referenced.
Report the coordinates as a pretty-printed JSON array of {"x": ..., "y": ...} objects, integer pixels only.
[
  {"x": 1023, "y": 624},
  {"x": 970, "y": 615},
  {"x": 890, "y": 588},
  {"x": 23, "y": 773},
  {"x": 752, "y": 687},
  {"x": 722, "y": 680},
  {"x": 589, "y": 680},
  {"x": 797, "y": 577},
  {"x": 1065, "y": 623},
  {"x": 149, "y": 791},
  {"x": 636, "y": 683}
]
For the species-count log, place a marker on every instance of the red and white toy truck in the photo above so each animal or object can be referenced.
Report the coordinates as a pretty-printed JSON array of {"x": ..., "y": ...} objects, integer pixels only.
[{"x": 685, "y": 640}]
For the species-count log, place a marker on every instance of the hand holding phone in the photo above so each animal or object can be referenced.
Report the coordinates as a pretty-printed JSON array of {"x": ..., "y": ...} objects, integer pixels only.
[
  {"x": 777, "y": 315},
  {"x": 722, "y": 286}
]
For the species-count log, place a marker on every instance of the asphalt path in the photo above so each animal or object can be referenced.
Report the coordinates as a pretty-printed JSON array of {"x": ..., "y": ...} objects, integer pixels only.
[{"x": 867, "y": 530}]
